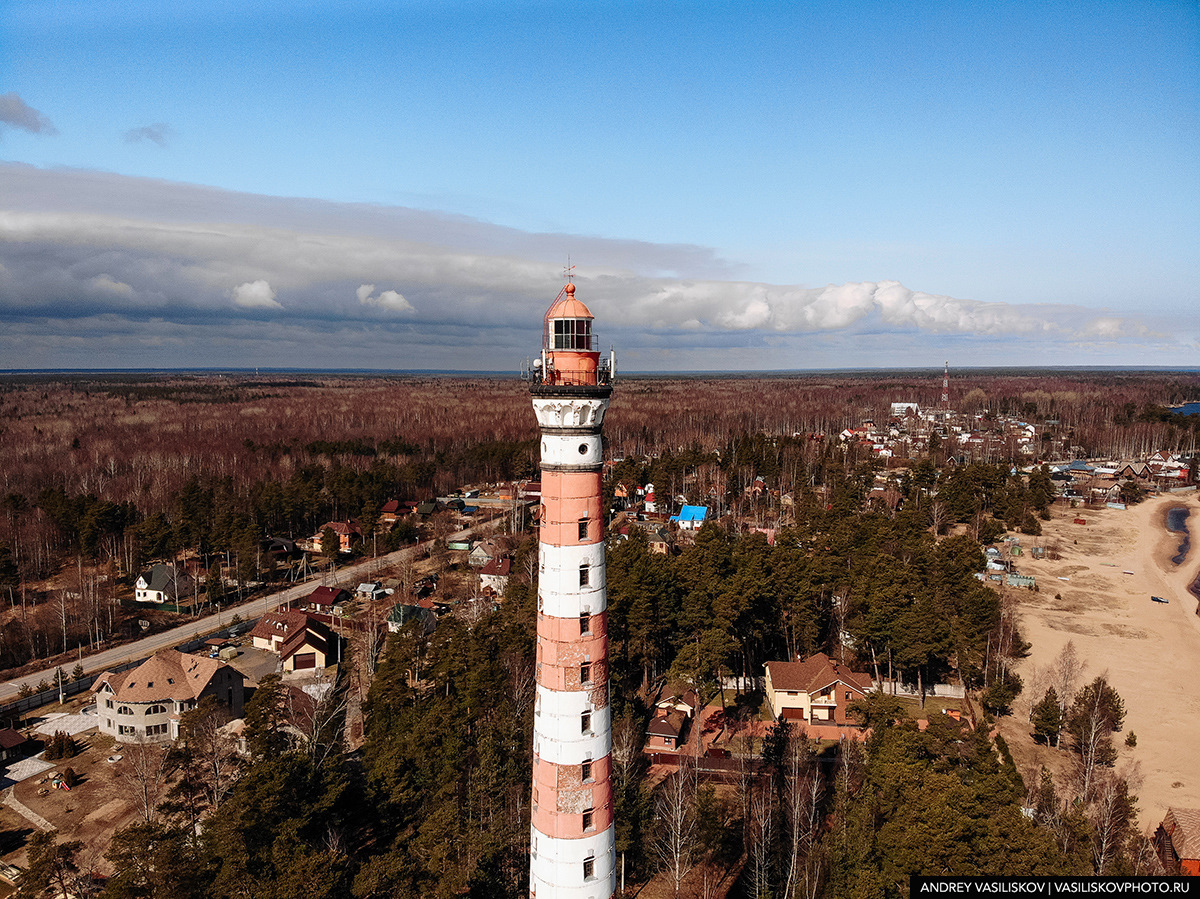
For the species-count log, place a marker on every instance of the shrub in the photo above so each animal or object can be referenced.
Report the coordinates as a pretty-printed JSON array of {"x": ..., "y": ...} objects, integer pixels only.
[{"x": 62, "y": 746}]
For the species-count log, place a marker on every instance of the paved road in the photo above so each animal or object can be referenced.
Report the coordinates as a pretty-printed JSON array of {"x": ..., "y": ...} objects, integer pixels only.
[{"x": 147, "y": 646}]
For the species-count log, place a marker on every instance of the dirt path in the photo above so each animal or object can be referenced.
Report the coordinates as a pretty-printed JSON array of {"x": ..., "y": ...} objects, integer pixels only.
[
  {"x": 26, "y": 812},
  {"x": 1149, "y": 651}
]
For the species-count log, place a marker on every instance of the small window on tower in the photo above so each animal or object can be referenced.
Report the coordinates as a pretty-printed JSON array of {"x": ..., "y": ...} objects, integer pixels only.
[
  {"x": 585, "y": 625},
  {"x": 585, "y": 771},
  {"x": 583, "y": 529},
  {"x": 587, "y": 820},
  {"x": 583, "y": 574},
  {"x": 585, "y": 673},
  {"x": 589, "y": 868},
  {"x": 585, "y": 723}
]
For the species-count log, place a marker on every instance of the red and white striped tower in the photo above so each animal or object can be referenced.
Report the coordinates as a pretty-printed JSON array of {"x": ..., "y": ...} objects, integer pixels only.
[{"x": 572, "y": 845}]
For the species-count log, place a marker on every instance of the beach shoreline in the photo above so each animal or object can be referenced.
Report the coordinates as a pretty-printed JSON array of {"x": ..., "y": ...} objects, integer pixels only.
[{"x": 1097, "y": 595}]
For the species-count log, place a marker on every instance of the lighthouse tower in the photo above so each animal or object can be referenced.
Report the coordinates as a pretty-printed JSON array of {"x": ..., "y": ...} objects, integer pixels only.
[{"x": 572, "y": 848}]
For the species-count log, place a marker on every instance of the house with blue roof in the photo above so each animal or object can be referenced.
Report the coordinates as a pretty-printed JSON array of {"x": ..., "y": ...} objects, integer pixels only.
[{"x": 691, "y": 517}]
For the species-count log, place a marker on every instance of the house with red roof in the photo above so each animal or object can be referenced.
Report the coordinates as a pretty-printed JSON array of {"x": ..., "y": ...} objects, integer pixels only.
[
  {"x": 1177, "y": 841},
  {"x": 12, "y": 744},
  {"x": 817, "y": 690},
  {"x": 494, "y": 575},
  {"x": 348, "y": 533},
  {"x": 146, "y": 702},
  {"x": 326, "y": 600},
  {"x": 301, "y": 641}
]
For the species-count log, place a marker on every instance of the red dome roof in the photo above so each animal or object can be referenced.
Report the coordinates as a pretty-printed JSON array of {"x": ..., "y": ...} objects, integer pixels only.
[{"x": 566, "y": 306}]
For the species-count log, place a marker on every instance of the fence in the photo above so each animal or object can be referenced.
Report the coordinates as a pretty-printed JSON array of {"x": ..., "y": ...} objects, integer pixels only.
[
  {"x": 17, "y": 707},
  {"x": 942, "y": 691}
]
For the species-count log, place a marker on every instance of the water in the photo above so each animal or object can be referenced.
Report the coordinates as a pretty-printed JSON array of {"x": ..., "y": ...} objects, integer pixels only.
[
  {"x": 1177, "y": 524},
  {"x": 1188, "y": 409}
]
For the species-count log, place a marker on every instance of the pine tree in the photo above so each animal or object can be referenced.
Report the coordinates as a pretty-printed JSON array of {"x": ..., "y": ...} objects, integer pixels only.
[{"x": 1047, "y": 718}]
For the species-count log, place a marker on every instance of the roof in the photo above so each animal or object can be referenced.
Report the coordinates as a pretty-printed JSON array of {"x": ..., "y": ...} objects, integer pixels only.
[
  {"x": 814, "y": 674},
  {"x": 498, "y": 566},
  {"x": 164, "y": 578},
  {"x": 168, "y": 674},
  {"x": 314, "y": 634},
  {"x": 691, "y": 513},
  {"x": 402, "y": 613},
  {"x": 10, "y": 739},
  {"x": 391, "y": 507},
  {"x": 566, "y": 306},
  {"x": 668, "y": 725},
  {"x": 279, "y": 624},
  {"x": 1183, "y": 827},
  {"x": 327, "y": 596},
  {"x": 342, "y": 528}
]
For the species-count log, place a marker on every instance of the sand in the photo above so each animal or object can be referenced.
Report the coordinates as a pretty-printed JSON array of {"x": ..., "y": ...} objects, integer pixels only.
[{"x": 1149, "y": 652}]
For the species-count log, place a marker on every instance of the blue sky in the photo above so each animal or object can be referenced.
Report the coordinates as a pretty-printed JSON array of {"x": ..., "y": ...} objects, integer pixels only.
[{"x": 741, "y": 186}]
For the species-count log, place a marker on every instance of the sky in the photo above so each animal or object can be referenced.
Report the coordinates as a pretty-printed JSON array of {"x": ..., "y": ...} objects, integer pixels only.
[{"x": 762, "y": 186}]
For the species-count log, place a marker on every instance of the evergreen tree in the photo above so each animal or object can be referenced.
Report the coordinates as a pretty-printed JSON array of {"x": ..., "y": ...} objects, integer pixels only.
[{"x": 1047, "y": 718}]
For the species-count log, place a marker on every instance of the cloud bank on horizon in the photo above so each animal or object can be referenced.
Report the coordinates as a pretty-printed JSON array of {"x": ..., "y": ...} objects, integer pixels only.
[{"x": 100, "y": 270}]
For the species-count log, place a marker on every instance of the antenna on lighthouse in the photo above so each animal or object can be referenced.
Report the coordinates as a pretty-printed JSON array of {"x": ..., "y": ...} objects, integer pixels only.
[{"x": 569, "y": 271}]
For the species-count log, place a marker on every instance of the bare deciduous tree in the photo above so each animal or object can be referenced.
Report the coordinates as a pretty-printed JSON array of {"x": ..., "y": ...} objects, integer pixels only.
[
  {"x": 1067, "y": 669},
  {"x": 674, "y": 843},
  {"x": 762, "y": 834},
  {"x": 144, "y": 770}
]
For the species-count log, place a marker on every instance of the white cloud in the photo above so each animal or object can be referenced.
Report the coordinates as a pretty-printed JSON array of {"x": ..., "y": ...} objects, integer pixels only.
[
  {"x": 389, "y": 299},
  {"x": 125, "y": 249},
  {"x": 255, "y": 295},
  {"x": 107, "y": 284}
]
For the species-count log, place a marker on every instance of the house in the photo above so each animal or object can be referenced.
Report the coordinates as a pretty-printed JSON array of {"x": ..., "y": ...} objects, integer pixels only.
[
  {"x": 369, "y": 591},
  {"x": 12, "y": 745},
  {"x": 391, "y": 511},
  {"x": 494, "y": 575},
  {"x": 1177, "y": 841},
  {"x": 660, "y": 542},
  {"x": 299, "y": 640},
  {"x": 691, "y": 517},
  {"x": 309, "y": 647},
  {"x": 146, "y": 702},
  {"x": 165, "y": 583},
  {"x": 403, "y": 613},
  {"x": 348, "y": 533},
  {"x": 817, "y": 690},
  {"x": 326, "y": 600},
  {"x": 482, "y": 553},
  {"x": 666, "y": 731}
]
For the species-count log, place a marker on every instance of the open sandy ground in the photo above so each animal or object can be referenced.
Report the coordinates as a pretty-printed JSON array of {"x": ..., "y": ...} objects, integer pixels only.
[{"x": 1150, "y": 652}]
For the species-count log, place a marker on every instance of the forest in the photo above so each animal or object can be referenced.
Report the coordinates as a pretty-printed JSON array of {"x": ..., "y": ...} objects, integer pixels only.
[
  {"x": 114, "y": 472},
  {"x": 437, "y": 803}
]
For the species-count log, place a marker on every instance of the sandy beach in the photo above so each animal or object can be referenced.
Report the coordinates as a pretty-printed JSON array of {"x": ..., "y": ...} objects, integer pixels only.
[{"x": 1149, "y": 651}]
